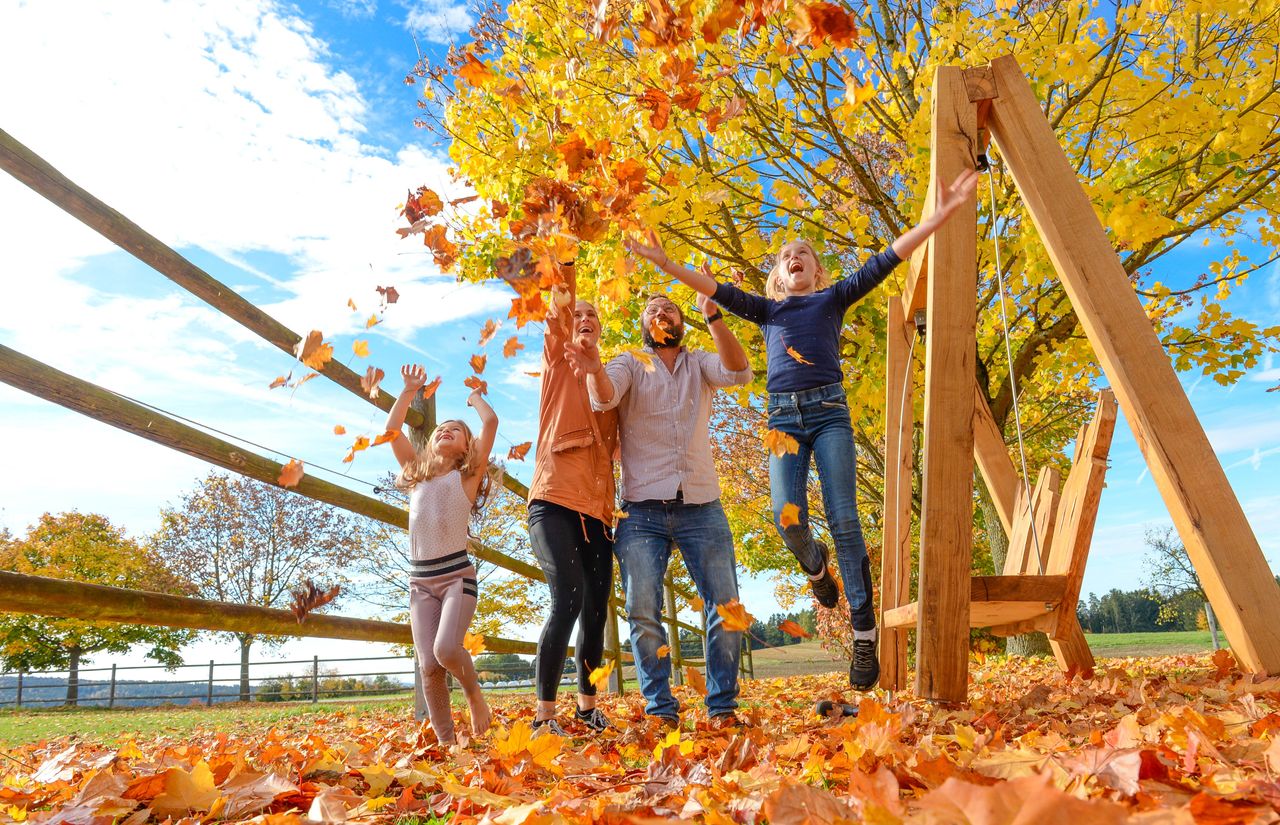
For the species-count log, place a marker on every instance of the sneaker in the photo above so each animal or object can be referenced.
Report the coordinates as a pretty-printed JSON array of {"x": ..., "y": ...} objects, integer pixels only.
[
  {"x": 667, "y": 723},
  {"x": 864, "y": 670},
  {"x": 824, "y": 589},
  {"x": 594, "y": 719},
  {"x": 549, "y": 726},
  {"x": 725, "y": 720},
  {"x": 828, "y": 709}
]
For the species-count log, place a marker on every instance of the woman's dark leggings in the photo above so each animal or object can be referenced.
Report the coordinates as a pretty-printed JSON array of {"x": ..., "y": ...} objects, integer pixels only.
[{"x": 576, "y": 553}]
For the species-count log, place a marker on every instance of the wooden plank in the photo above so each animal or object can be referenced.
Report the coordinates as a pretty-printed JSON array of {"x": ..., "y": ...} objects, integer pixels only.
[
  {"x": 1078, "y": 510},
  {"x": 41, "y": 176},
  {"x": 895, "y": 560},
  {"x": 993, "y": 460},
  {"x": 982, "y": 614},
  {"x": 915, "y": 291},
  {"x": 980, "y": 83},
  {"x": 1072, "y": 650},
  {"x": 1017, "y": 588},
  {"x": 1209, "y": 519},
  {"x": 45, "y": 382},
  {"x": 946, "y": 534},
  {"x": 1032, "y": 534}
]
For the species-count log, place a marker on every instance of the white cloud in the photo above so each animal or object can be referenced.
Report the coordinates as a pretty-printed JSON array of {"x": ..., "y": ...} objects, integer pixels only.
[
  {"x": 355, "y": 9},
  {"x": 437, "y": 20}
]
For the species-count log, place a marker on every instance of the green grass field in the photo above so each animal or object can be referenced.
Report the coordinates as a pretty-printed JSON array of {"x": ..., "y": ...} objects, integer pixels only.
[{"x": 18, "y": 727}]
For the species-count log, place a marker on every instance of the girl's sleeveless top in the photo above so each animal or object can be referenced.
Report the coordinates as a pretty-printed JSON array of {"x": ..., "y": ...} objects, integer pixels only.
[{"x": 439, "y": 512}]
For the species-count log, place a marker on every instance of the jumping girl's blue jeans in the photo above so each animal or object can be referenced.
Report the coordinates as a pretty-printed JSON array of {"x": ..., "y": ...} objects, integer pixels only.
[
  {"x": 643, "y": 547},
  {"x": 818, "y": 419}
]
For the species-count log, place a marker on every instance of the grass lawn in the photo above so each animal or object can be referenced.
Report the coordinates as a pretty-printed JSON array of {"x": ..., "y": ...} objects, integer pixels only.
[{"x": 1118, "y": 645}]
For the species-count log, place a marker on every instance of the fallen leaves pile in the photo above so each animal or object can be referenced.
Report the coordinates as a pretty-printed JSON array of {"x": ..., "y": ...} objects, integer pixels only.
[{"x": 1185, "y": 739}]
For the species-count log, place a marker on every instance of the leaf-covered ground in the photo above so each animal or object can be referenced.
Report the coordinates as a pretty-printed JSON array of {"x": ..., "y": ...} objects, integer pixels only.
[{"x": 1183, "y": 739}]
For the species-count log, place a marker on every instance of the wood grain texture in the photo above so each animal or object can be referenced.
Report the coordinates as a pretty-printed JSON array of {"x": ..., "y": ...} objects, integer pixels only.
[
  {"x": 994, "y": 462},
  {"x": 1032, "y": 535},
  {"x": 895, "y": 563}
]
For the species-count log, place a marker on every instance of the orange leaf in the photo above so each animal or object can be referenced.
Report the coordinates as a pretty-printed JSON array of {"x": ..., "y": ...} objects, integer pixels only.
[
  {"x": 1223, "y": 662},
  {"x": 429, "y": 389},
  {"x": 475, "y": 383},
  {"x": 534, "y": 373},
  {"x": 600, "y": 676},
  {"x": 790, "y": 516},
  {"x": 474, "y": 72},
  {"x": 372, "y": 321},
  {"x": 664, "y": 651},
  {"x": 304, "y": 379},
  {"x": 791, "y": 351},
  {"x": 360, "y": 348},
  {"x": 659, "y": 332},
  {"x": 308, "y": 597},
  {"x": 313, "y": 352},
  {"x": 418, "y": 205},
  {"x": 386, "y": 438},
  {"x": 490, "y": 329},
  {"x": 819, "y": 23},
  {"x": 512, "y": 346},
  {"x": 280, "y": 381},
  {"x": 798, "y": 803},
  {"x": 369, "y": 383},
  {"x": 519, "y": 451},
  {"x": 477, "y": 363},
  {"x": 619, "y": 515},
  {"x": 734, "y": 616},
  {"x": 352, "y": 303},
  {"x": 473, "y": 643},
  {"x": 794, "y": 630},
  {"x": 694, "y": 679},
  {"x": 779, "y": 443},
  {"x": 696, "y": 603},
  {"x": 291, "y": 473},
  {"x": 658, "y": 103},
  {"x": 338, "y": 429}
]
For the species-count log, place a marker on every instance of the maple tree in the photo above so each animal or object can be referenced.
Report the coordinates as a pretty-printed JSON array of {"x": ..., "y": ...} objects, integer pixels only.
[
  {"x": 84, "y": 547},
  {"x": 734, "y": 126},
  {"x": 240, "y": 541}
]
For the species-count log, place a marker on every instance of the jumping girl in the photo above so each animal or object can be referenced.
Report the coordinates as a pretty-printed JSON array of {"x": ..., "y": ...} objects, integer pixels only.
[
  {"x": 447, "y": 482},
  {"x": 803, "y": 314},
  {"x": 571, "y": 504}
]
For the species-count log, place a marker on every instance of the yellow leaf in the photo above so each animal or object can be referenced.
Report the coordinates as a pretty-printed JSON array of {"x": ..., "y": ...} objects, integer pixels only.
[
  {"x": 372, "y": 322},
  {"x": 779, "y": 443},
  {"x": 379, "y": 776},
  {"x": 617, "y": 290},
  {"x": 644, "y": 357},
  {"x": 360, "y": 348},
  {"x": 544, "y": 749},
  {"x": 473, "y": 643},
  {"x": 600, "y": 676},
  {"x": 857, "y": 93},
  {"x": 790, "y": 515},
  {"x": 16, "y": 814},
  {"x": 378, "y": 803},
  {"x": 129, "y": 750},
  {"x": 186, "y": 791}
]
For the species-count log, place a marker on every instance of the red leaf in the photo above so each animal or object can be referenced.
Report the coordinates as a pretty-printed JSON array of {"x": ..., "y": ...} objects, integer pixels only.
[
  {"x": 519, "y": 451},
  {"x": 389, "y": 294},
  {"x": 308, "y": 597},
  {"x": 421, "y": 204}
]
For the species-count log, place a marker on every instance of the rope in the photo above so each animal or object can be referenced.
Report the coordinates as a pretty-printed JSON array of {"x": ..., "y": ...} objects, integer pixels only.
[{"x": 1013, "y": 380}]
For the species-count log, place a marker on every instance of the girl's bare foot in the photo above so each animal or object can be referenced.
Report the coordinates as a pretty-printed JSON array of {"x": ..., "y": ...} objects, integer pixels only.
[{"x": 481, "y": 718}]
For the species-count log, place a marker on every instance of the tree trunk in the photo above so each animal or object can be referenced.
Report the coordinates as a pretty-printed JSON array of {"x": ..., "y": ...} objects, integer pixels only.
[
  {"x": 1025, "y": 644},
  {"x": 246, "y": 642},
  {"x": 73, "y": 678}
]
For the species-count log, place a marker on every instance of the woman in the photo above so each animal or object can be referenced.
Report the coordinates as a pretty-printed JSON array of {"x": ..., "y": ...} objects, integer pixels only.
[{"x": 571, "y": 504}]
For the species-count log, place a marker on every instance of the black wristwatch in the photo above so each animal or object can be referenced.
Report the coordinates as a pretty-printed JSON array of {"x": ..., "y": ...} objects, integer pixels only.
[{"x": 716, "y": 317}]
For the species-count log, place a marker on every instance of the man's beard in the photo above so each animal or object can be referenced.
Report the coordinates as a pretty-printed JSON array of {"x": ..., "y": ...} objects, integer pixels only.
[{"x": 673, "y": 339}]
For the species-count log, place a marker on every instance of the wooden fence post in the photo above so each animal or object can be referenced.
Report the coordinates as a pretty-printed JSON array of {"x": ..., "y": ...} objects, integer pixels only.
[
  {"x": 315, "y": 679},
  {"x": 899, "y": 471},
  {"x": 613, "y": 643},
  {"x": 673, "y": 632},
  {"x": 111, "y": 695},
  {"x": 18, "y": 701},
  {"x": 208, "y": 697}
]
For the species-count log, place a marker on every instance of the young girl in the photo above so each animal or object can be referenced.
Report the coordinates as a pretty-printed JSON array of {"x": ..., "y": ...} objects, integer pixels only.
[
  {"x": 447, "y": 481},
  {"x": 801, "y": 319}
]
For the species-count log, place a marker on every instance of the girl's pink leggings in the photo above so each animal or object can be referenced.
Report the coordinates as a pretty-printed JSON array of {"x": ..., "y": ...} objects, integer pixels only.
[{"x": 440, "y": 611}]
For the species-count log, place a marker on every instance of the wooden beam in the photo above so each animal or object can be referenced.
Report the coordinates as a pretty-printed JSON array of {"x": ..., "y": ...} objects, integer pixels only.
[
  {"x": 1033, "y": 588},
  {"x": 1072, "y": 650},
  {"x": 45, "y": 382},
  {"x": 993, "y": 460},
  {"x": 982, "y": 614},
  {"x": 41, "y": 176},
  {"x": 916, "y": 289},
  {"x": 895, "y": 559},
  {"x": 1209, "y": 519},
  {"x": 1033, "y": 528},
  {"x": 946, "y": 534},
  {"x": 995, "y": 600}
]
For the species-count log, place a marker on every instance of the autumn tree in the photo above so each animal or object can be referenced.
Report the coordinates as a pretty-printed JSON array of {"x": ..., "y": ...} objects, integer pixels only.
[
  {"x": 241, "y": 541},
  {"x": 735, "y": 125},
  {"x": 85, "y": 548}
]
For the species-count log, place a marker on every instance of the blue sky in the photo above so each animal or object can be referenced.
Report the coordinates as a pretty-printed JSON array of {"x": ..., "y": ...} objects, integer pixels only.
[{"x": 271, "y": 144}]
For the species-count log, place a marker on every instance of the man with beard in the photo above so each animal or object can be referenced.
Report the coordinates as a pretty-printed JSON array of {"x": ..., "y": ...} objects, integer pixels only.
[{"x": 671, "y": 496}]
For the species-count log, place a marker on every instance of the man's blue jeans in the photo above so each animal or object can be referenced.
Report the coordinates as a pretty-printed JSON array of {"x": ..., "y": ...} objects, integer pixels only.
[
  {"x": 818, "y": 419},
  {"x": 643, "y": 547}
]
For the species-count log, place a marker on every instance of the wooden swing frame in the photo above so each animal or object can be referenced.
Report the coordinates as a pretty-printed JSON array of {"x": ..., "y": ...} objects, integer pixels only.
[{"x": 959, "y": 428}]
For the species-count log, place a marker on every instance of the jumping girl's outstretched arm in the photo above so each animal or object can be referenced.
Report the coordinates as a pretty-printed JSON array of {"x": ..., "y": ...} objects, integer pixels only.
[
  {"x": 415, "y": 377},
  {"x": 484, "y": 442},
  {"x": 949, "y": 200}
]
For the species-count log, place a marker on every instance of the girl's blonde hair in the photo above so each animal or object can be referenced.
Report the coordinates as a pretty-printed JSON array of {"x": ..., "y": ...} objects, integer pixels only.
[
  {"x": 773, "y": 288},
  {"x": 419, "y": 469}
]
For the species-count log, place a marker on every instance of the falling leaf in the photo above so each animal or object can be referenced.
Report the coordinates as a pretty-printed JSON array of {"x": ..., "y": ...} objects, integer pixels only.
[
  {"x": 617, "y": 290},
  {"x": 658, "y": 104},
  {"x": 857, "y": 93},
  {"x": 600, "y": 676},
  {"x": 477, "y": 363},
  {"x": 352, "y": 303},
  {"x": 658, "y": 332},
  {"x": 313, "y": 352},
  {"x": 512, "y": 346},
  {"x": 794, "y": 630},
  {"x": 519, "y": 451},
  {"x": 790, "y": 516},
  {"x": 280, "y": 381},
  {"x": 800, "y": 358},
  {"x": 473, "y": 643},
  {"x": 389, "y": 294},
  {"x": 475, "y": 73},
  {"x": 619, "y": 515},
  {"x": 734, "y": 616},
  {"x": 533, "y": 373},
  {"x": 1223, "y": 662},
  {"x": 338, "y": 429},
  {"x": 304, "y": 379},
  {"x": 369, "y": 383},
  {"x": 429, "y": 389},
  {"x": 490, "y": 329},
  {"x": 361, "y": 443},
  {"x": 819, "y": 23},
  {"x": 291, "y": 473},
  {"x": 308, "y": 597},
  {"x": 694, "y": 678},
  {"x": 779, "y": 443},
  {"x": 664, "y": 651},
  {"x": 386, "y": 438},
  {"x": 372, "y": 321},
  {"x": 696, "y": 603},
  {"x": 419, "y": 205},
  {"x": 644, "y": 357},
  {"x": 474, "y": 383},
  {"x": 360, "y": 348}
]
